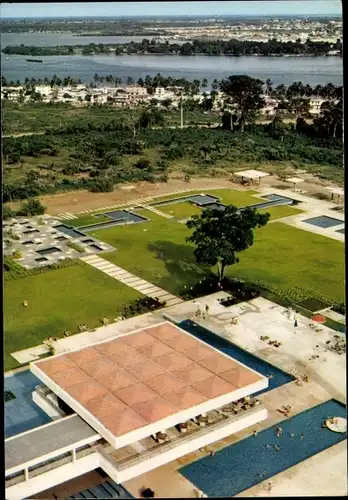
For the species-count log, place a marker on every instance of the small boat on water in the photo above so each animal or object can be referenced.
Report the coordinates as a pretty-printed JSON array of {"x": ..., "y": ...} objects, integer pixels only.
[
  {"x": 7, "y": 58},
  {"x": 34, "y": 60}
]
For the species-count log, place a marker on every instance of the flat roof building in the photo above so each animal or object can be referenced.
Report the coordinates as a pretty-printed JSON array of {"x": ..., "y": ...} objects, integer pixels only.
[{"x": 140, "y": 400}]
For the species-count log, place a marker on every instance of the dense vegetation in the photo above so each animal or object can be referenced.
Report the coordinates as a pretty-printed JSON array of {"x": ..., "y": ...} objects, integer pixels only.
[
  {"x": 83, "y": 157},
  {"x": 205, "y": 47},
  {"x": 97, "y": 154}
]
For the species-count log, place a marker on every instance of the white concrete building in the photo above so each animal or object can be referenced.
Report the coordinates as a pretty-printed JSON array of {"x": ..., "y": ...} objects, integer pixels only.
[{"x": 138, "y": 401}]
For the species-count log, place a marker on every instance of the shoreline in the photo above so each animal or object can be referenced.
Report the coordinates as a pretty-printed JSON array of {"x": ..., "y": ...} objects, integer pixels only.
[{"x": 171, "y": 55}]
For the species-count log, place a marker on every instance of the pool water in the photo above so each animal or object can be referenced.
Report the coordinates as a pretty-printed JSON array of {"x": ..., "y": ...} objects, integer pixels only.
[
  {"x": 278, "y": 377},
  {"x": 21, "y": 413},
  {"x": 274, "y": 197},
  {"x": 239, "y": 466},
  {"x": 323, "y": 221},
  {"x": 69, "y": 231},
  {"x": 124, "y": 215}
]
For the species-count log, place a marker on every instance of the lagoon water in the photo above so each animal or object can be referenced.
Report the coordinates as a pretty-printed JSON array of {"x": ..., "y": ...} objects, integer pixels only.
[{"x": 311, "y": 70}]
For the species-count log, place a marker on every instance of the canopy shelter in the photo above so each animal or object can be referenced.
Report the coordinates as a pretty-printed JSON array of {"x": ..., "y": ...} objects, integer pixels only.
[
  {"x": 251, "y": 175},
  {"x": 294, "y": 181},
  {"x": 336, "y": 191}
]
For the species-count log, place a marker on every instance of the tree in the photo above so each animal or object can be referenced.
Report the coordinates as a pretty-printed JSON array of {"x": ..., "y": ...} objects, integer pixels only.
[
  {"x": 269, "y": 86},
  {"x": 246, "y": 94},
  {"x": 220, "y": 234},
  {"x": 300, "y": 108},
  {"x": 331, "y": 117}
]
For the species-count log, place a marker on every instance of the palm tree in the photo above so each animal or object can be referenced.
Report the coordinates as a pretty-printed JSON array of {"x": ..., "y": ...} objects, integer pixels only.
[
  {"x": 96, "y": 77},
  {"x": 204, "y": 83},
  {"x": 215, "y": 84},
  {"x": 300, "y": 108},
  {"x": 130, "y": 80},
  {"x": 269, "y": 86}
]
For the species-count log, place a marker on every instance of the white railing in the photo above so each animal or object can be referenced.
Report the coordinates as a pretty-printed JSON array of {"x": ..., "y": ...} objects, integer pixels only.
[
  {"x": 52, "y": 464},
  {"x": 193, "y": 434}
]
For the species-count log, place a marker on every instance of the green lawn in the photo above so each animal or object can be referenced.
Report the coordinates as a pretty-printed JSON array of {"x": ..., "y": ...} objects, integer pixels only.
[
  {"x": 59, "y": 300},
  {"x": 281, "y": 211},
  {"x": 181, "y": 210},
  {"x": 287, "y": 257},
  {"x": 283, "y": 256},
  {"x": 86, "y": 220}
]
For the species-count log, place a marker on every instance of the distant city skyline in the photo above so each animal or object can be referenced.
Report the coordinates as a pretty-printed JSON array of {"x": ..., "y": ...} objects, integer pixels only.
[{"x": 137, "y": 9}]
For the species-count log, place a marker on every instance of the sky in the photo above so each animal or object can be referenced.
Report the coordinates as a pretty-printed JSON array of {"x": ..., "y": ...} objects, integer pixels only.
[{"x": 211, "y": 8}]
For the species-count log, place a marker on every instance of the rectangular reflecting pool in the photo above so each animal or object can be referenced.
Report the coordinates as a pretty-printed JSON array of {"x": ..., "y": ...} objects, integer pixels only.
[
  {"x": 69, "y": 231},
  {"x": 254, "y": 459},
  {"x": 323, "y": 221},
  {"x": 276, "y": 376}
]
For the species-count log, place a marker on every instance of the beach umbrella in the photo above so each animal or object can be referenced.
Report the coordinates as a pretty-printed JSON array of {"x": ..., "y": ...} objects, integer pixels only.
[{"x": 319, "y": 318}]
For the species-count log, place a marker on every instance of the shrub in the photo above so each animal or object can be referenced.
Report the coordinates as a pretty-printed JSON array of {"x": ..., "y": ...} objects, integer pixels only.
[
  {"x": 75, "y": 246},
  {"x": 102, "y": 186},
  {"x": 142, "y": 306},
  {"x": 7, "y": 212},
  {"x": 17, "y": 254},
  {"x": 31, "y": 207}
]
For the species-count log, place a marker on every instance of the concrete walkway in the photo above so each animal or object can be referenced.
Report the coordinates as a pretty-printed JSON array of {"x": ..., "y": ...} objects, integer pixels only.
[
  {"x": 66, "y": 216},
  {"x": 131, "y": 280},
  {"x": 155, "y": 211}
]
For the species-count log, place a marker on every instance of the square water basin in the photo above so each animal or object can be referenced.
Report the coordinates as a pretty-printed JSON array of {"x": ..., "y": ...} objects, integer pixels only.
[
  {"x": 95, "y": 247},
  {"x": 48, "y": 251},
  {"x": 323, "y": 221},
  {"x": 61, "y": 238},
  {"x": 41, "y": 259},
  {"x": 31, "y": 231},
  {"x": 28, "y": 242}
]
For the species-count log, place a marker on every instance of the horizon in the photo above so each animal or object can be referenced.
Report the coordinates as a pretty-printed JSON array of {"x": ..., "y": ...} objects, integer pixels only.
[{"x": 122, "y": 10}]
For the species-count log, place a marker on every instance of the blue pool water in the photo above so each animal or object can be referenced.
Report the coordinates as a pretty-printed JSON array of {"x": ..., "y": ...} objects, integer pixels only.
[
  {"x": 278, "y": 377},
  {"x": 21, "y": 413},
  {"x": 237, "y": 467},
  {"x": 323, "y": 221}
]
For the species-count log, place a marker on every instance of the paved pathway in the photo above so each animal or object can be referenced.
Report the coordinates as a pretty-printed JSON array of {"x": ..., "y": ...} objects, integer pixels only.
[
  {"x": 131, "y": 280},
  {"x": 66, "y": 216},
  {"x": 155, "y": 211}
]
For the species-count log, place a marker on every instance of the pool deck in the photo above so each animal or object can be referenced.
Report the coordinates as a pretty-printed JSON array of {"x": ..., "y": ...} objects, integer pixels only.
[
  {"x": 312, "y": 207},
  {"x": 326, "y": 381}
]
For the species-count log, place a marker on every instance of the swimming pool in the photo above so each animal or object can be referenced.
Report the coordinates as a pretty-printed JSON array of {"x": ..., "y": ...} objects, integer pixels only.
[
  {"x": 239, "y": 466},
  {"x": 277, "y": 377},
  {"x": 323, "y": 221},
  {"x": 21, "y": 413}
]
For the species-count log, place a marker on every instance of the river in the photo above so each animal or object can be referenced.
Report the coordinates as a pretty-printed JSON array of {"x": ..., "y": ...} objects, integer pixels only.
[{"x": 309, "y": 70}]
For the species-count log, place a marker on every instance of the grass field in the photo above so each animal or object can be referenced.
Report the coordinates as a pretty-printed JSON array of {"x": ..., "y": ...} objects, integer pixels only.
[
  {"x": 282, "y": 256},
  {"x": 59, "y": 300}
]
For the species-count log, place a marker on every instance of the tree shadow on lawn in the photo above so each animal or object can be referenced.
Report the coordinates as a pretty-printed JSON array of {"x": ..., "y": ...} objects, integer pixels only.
[{"x": 180, "y": 264}]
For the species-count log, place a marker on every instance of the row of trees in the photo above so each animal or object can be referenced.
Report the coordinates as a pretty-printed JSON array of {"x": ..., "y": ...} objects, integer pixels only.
[
  {"x": 296, "y": 89},
  {"x": 232, "y": 47}
]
